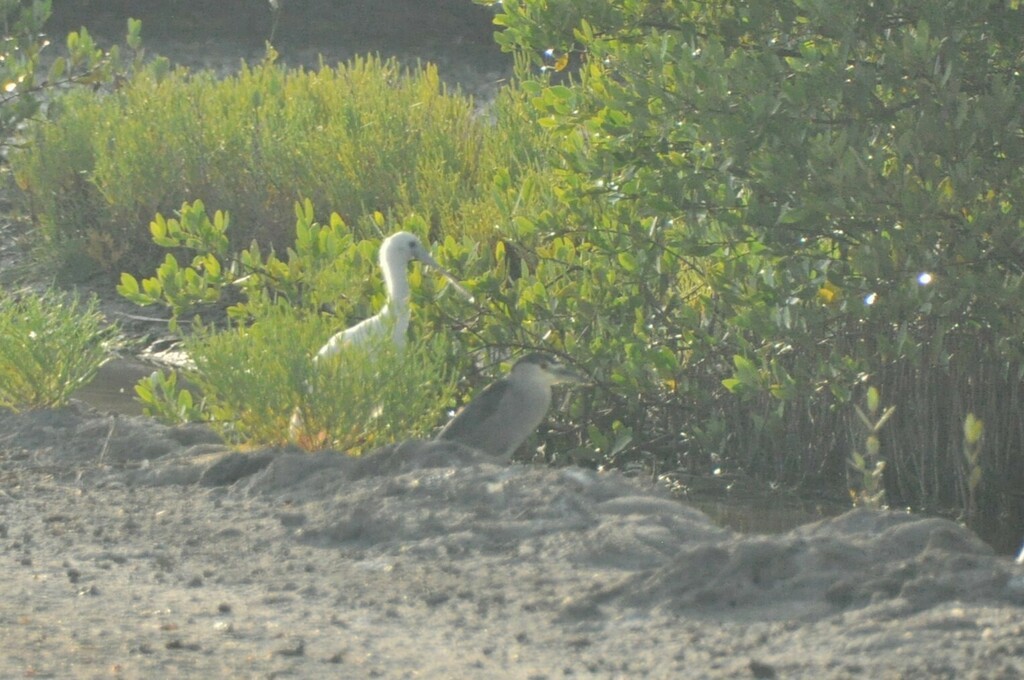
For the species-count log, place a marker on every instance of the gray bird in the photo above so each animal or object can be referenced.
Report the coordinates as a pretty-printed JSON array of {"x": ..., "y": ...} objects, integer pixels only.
[{"x": 507, "y": 411}]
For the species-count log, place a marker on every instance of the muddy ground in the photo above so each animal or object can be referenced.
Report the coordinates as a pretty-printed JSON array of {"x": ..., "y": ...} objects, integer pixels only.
[{"x": 133, "y": 550}]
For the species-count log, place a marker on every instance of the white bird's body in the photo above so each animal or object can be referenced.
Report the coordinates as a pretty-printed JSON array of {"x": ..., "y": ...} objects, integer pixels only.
[
  {"x": 393, "y": 317},
  {"x": 396, "y": 252}
]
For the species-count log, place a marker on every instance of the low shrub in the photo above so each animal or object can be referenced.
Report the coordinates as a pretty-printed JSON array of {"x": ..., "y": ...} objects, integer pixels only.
[
  {"x": 51, "y": 344},
  {"x": 249, "y": 379},
  {"x": 365, "y": 136}
]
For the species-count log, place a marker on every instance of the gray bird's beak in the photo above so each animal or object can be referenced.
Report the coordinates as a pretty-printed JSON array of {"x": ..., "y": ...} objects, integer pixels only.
[{"x": 566, "y": 374}]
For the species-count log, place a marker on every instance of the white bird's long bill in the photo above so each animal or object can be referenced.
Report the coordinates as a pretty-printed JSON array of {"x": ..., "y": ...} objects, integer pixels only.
[
  {"x": 455, "y": 284},
  {"x": 451, "y": 279}
]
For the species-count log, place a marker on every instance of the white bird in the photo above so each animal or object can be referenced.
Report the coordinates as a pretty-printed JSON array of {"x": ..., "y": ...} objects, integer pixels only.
[{"x": 396, "y": 252}]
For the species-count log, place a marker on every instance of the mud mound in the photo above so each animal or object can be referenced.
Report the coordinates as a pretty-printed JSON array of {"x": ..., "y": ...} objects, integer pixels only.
[
  {"x": 438, "y": 500},
  {"x": 77, "y": 439},
  {"x": 145, "y": 549}
]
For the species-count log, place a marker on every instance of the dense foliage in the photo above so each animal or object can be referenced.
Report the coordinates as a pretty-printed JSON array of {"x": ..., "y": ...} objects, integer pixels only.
[
  {"x": 366, "y": 136},
  {"x": 845, "y": 178}
]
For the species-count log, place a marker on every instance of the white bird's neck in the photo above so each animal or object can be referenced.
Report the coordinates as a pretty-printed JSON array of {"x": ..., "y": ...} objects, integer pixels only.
[
  {"x": 396, "y": 281},
  {"x": 396, "y": 318}
]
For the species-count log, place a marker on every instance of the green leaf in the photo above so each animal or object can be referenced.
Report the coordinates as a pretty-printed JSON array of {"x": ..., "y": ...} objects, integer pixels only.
[
  {"x": 873, "y": 400},
  {"x": 524, "y": 226},
  {"x": 134, "y": 39},
  {"x": 974, "y": 428},
  {"x": 628, "y": 261},
  {"x": 128, "y": 286},
  {"x": 57, "y": 69},
  {"x": 974, "y": 479}
]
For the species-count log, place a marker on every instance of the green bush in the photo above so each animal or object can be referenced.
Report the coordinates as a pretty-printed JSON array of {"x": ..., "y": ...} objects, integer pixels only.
[
  {"x": 249, "y": 381},
  {"x": 368, "y": 135},
  {"x": 50, "y": 345},
  {"x": 541, "y": 281},
  {"x": 250, "y": 378},
  {"x": 375, "y": 394},
  {"x": 326, "y": 268}
]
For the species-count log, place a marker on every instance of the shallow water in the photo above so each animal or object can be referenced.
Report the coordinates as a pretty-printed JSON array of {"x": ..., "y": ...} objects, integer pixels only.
[
  {"x": 113, "y": 388},
  {"x": 761, "y": 515}
]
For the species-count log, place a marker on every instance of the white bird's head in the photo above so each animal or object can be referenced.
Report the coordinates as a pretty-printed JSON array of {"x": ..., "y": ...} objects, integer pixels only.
[{"x": 401, "y": 248}]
